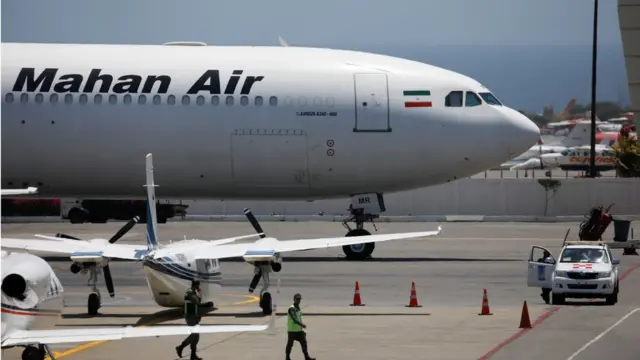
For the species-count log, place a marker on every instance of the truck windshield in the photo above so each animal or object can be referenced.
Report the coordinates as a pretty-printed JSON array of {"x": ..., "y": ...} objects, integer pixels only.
[{"x": 584, "y": 255}]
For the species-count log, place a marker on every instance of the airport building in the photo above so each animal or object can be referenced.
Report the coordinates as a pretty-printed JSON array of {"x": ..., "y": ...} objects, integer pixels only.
[{"x": 629, "y": 15}]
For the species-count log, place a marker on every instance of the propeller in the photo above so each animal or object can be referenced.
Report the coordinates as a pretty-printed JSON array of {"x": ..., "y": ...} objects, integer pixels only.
[
  {"x": 117, "y": 236},
  {"x": 256, "y": 225},
  {"x": 254, "y": 222},
  {"x": 65, "y": 236},
  {"x": 108, "y": 281},
  {"x": 123, "y": 230}
]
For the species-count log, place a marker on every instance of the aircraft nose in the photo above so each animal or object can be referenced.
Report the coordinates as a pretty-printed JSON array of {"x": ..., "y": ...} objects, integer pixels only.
[{"x": 522, "y": 132}]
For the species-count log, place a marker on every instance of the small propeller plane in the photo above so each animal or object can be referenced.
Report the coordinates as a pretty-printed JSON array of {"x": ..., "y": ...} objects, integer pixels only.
[
  {"x": 32, "y": 305},
  {"x": 169, "y": 268}
]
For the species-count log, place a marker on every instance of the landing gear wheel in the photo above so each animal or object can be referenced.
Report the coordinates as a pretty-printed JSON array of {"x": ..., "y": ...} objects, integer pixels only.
[
  {"x": 265, "y": 303},
  {"x": 33, "y": 353},
  {"x": 93, "y": 303},
  {"x": 557, "y": 299},
  {"x": 77, "y": 216},
  {"x": 358, "y": 251}
]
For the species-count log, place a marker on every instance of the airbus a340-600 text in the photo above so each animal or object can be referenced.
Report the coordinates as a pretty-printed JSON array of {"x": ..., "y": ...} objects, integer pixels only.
[{"x": 45, "y": 81}]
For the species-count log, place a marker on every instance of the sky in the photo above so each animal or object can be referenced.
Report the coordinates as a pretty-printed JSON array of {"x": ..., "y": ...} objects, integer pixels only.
[
  {"x": 541, "y": 48},
  {"x": 337, "y": 22}
]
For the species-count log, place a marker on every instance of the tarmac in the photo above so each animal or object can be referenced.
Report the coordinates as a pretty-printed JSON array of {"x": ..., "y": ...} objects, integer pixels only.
[{"x": 450, "y": 272}]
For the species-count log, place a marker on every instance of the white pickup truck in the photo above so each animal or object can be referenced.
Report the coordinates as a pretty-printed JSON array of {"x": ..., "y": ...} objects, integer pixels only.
[{"x": 584, "y": 269}]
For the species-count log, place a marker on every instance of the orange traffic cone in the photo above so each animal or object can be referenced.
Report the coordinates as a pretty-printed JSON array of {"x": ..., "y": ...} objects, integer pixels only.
[
  {"x": 525, "y": 322},
  {"x": 413, "y": 299},
  {"x": 356, "y": 296},
  {"x": 485, "y": 305}
]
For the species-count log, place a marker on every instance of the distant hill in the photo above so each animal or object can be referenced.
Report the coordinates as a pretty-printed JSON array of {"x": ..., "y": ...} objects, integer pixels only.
[{"x": 527, "y": 77}]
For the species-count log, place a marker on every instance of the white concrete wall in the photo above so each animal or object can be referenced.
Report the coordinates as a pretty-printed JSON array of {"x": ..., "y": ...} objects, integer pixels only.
[
  {"x": 629, "y": 15},
  {"x": 463, "y": 197}
]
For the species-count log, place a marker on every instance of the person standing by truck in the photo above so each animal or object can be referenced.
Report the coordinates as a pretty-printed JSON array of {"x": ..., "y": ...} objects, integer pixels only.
[{"x": 545, "y": 291}]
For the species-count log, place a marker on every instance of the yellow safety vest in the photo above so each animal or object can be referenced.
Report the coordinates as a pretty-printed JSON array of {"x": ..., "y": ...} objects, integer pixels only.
[{"x": 291, "y": 325}]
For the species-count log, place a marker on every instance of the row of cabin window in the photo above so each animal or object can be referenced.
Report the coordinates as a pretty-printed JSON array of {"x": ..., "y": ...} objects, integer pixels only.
[
  {"x": 454, "y": 99},
  {"x": 142, "y": 99}
]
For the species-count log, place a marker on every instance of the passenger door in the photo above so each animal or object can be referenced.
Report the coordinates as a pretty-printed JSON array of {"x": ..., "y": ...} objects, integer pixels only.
[
  {"x": 372, "y": 103},
  {"x": 539, "y": 273}
]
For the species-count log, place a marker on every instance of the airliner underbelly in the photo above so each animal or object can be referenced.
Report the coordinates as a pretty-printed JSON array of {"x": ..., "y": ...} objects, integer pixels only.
[{"x": 98, "y": 152}]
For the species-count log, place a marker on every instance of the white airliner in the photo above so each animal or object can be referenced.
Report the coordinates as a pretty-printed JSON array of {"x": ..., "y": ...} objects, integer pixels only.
[
  {"x": 245, "y": 122},
  {"x": 32, "y": 305},
  {"x": 170, "y": 268}
]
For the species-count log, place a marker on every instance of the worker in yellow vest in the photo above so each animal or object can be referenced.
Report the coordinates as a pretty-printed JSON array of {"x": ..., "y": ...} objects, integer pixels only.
[{"x": 295, "y": 328}]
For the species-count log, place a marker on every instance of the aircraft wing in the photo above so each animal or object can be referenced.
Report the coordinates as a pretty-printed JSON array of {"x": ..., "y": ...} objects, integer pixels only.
[
  {"x": 270, "y": 245},
  {"x": 45, "y": 337},
  {"x": 76, "y": 248},
  {"x": 27, "y": 191}
]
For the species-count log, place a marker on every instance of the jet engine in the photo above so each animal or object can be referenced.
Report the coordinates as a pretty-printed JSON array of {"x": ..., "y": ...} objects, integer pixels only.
[{"x": 14, "y": 286}]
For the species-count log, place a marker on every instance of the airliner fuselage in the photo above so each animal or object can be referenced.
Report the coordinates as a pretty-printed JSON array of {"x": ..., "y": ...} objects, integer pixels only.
[{"x": 243, "y": 121}]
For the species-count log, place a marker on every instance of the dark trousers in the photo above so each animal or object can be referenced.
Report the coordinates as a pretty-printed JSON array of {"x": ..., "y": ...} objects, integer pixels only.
[
  {"x": 193, "y": 338},
  {"x": 545, "y": 295},
  {"x": 299, "y": 336}
]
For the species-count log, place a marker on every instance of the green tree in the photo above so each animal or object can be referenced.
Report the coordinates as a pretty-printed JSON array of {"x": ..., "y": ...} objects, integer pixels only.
[
  {"x": 539, "y": 120},
  {"x": 550, "y": 186},
  {"x": 628, "y": 157},
  {"x": 606, "y": 110},
  {"x": 578, "y": 109}
]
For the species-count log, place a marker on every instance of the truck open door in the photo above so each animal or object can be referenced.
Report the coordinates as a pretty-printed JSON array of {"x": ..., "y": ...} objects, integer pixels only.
[{"x": 540, "y": 268}]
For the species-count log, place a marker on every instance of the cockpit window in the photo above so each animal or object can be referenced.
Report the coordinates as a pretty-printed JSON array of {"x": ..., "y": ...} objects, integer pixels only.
[
  {"x": 471, "y": 99},
  {"x": 490, "y": 99},
  {"x": 454, "y": 99}
]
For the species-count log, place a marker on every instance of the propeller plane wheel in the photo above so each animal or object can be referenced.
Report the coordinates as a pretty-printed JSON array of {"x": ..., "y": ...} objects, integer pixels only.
[
  {"x": 358, "y": 251},
  {"x": 93, "y": 303},
  {"x": 266, "y": 304},
  {"x": 33, "y": 353}
]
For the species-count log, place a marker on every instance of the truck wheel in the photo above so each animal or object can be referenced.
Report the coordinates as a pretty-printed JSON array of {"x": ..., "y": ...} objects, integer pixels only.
[
  {"x": 77, "y": 216},
  {"x": 162, "y": 220},
  {"x": 557, "y": 299},
  {"x": 613, "y": 298}
]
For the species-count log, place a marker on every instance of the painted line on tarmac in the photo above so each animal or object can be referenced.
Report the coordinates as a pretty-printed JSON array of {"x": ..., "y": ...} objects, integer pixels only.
[
  {"x": 251, "y": 299},
  {"x": 547, "y": 314},
  {"x": 519, "y": 334},
  {"x": 602, "y": 334}
]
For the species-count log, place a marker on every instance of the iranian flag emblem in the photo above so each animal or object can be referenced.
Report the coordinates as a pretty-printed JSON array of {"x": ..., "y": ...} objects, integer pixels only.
[{"x": 417, "y": 98}]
